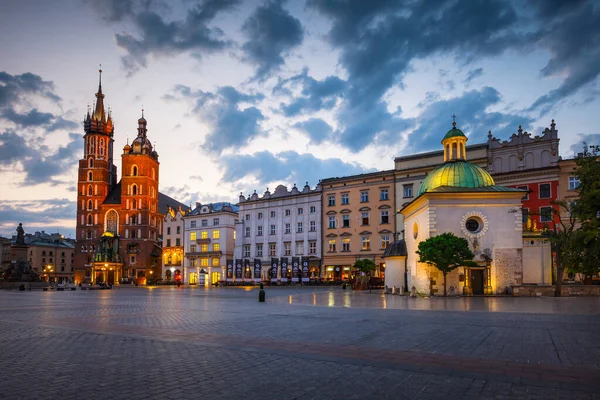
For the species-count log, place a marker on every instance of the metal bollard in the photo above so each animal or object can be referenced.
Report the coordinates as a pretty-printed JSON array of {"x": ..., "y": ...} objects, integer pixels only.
[{"x": 261, "y": 294}]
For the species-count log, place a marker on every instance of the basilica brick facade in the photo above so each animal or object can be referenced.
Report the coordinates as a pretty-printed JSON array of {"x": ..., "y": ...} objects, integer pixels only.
[{"x": 119, "y": 224}]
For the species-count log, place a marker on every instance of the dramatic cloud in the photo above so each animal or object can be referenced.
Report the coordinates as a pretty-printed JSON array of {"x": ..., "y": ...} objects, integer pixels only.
[
  {"x": 272, "y": 31},
  {"x": 57, "y": 213},
  {"x": 317, "y": 130},
  {"x": 380, "y": 39},
  {"x": 15, "y": 88},
  {"x": 38, "y": 162},
  {"x": 288, "y": 166},
  {"x": 231, "y": 124},
  {"x": 159, "y": 37},
  {"x": 188, "y": 196},
  {"x": 474, "y": 118},
  {"x": 574, "y": 42},
  {"x": 314, "y": 95}
]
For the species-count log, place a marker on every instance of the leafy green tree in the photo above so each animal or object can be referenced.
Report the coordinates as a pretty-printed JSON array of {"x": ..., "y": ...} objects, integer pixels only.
[
  {"x": 366, "y": 266},
  {"x": 446, "y": 252},
  {"x": 574, "y": 228}
]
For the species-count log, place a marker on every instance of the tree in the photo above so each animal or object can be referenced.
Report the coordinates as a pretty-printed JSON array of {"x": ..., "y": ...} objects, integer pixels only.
[
  {"x": 574, "y": 227},
  {"x": 365, "y": 265},
  {"x": 446, "y": 252}
]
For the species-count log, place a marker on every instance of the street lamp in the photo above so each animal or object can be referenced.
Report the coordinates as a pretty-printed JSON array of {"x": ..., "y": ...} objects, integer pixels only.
[{"x": 49, "y": 269}]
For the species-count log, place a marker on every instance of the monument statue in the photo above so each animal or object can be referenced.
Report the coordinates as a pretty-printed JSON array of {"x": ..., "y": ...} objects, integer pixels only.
[{"x": 20, "y": 235}]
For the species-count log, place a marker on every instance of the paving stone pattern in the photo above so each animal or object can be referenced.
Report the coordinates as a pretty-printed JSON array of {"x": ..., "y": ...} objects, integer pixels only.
[{"x": 304, "y": 343}]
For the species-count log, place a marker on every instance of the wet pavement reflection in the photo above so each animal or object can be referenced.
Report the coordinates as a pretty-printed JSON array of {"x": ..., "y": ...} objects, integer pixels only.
[{"x": 353, "y": 299}]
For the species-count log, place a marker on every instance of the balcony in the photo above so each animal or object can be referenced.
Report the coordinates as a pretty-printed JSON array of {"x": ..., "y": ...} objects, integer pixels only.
[
  {"x": 203, "y": 241},
  {"x": 204, "y": 254}
]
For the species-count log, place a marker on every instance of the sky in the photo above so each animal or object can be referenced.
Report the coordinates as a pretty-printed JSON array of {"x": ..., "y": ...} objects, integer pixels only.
[{"x": 246, "y": 95}]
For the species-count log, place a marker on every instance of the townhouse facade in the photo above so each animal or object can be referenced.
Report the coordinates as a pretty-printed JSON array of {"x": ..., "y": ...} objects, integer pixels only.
[
  {"x": 172, "y": 245},
  {"x": 358, "y": 221},
  {"x": 209, "y": 233},
  {"x": 279, "y": 235}
]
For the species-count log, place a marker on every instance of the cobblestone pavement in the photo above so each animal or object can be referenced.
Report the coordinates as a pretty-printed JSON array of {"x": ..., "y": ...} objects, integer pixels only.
[{"x": 304, "y": 343}]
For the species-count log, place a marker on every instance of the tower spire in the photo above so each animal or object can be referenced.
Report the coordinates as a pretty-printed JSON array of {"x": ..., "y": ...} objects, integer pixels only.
[{"x": 99, "y": 111}]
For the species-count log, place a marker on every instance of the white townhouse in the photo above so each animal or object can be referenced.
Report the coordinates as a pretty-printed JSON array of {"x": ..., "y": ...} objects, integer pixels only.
[
  {"x": 280, "y": 229},
  {"x": 209, "y": 240}
]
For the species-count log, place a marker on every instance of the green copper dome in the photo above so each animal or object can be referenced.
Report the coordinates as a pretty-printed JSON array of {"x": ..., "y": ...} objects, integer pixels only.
[
  {"x": 454, "y": 132},
  {"x": 461, "y": 174}
]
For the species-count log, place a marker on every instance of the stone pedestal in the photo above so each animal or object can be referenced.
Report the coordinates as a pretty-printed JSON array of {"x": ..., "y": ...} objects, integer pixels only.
[{"x": 19, "y": 263}]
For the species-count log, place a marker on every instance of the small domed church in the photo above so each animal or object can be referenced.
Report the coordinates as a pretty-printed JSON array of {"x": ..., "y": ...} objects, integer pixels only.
[
  {"x": 119, "y": 222},
  {"x": 461, "y": 198}
]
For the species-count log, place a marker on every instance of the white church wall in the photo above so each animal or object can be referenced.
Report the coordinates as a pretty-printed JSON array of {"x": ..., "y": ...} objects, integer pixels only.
[
  {"x": 394, "y": 271},
  {"x": 418, "y": 273}
]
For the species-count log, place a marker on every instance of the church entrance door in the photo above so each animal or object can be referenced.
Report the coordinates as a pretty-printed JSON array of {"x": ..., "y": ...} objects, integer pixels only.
[{"x": 477, "y": 281}]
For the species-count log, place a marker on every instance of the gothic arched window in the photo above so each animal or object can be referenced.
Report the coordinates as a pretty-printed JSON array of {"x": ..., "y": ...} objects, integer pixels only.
[
  {"x": 91, "y": 163},
  {"x": 134, "y": 189},
  {"x": 90, "y": 176},
  {"x": 90, "y": 191},
  {"x": 89, "y": 219},
  {"x": 90, "y": 205},
  {"x": 134, "y": 204},
  {"x": 112, "y": 221},
  {"x": 134, "y": 170}
]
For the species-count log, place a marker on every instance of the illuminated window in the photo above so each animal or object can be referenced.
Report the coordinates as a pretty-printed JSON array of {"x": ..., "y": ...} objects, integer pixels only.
[
  {"x": 112, "y": 221},
  {"x": 365, "y": 242},
  {"x": 331, "y": 245},
  {"x": 204, "y": 234},
  {"x": 216, "y": 246},
  {"x": 192, "y": 235},
  {"x": 385, "y": 241},
  {"x": 216, "y": 262},
  {"x": 204, "y": 247},
  {"x": 346, "y": 244},
  {"x": 216, "y": 234},
  {"x": 204, "y": 262}
]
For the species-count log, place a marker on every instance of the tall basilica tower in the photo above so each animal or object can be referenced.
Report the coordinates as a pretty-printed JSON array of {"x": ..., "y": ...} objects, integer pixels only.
[{"x": 97, "y": 176}]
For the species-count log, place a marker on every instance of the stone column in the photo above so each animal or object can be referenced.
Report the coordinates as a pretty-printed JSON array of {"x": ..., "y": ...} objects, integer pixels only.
[{"x": 467, "y": 290}]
